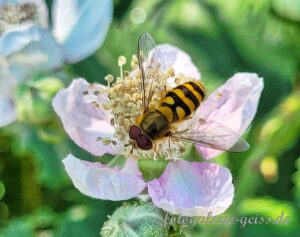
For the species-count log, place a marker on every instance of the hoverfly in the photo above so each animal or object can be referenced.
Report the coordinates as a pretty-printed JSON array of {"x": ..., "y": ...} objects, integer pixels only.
[{"x": 179, "y": 104}]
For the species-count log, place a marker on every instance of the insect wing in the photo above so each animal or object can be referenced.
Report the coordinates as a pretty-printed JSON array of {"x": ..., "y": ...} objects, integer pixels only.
[
  {"x": 212, "y": 134},
  {"x": 150, "y": 60}
]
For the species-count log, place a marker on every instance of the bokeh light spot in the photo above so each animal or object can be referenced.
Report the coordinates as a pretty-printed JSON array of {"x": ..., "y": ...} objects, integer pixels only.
[
  {"x": 138, "y": 15},
  {"x": 269, "y": 169}
]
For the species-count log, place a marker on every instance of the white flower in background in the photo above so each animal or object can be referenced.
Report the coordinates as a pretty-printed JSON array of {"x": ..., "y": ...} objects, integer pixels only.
[
  {"x": 184, "y": 188},
  {"x": 7, "y": 86},
  {"x": 29, "y": 46}
]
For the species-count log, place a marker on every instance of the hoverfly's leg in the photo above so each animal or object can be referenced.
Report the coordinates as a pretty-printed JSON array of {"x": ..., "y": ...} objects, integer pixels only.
[
  {"x": 131, "y": 150},
  {"x": 163, "y": 92},
  {"x": 188, "y": 118}
]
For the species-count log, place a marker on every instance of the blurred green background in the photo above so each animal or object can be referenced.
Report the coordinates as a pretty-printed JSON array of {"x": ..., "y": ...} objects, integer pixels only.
[{"x": 222, "y": 37}]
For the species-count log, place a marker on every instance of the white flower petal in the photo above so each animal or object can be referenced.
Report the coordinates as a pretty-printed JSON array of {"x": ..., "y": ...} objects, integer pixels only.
[
  {"x": 99, "y": 181},
  {"x": 82, "y": 120},
  {"x": 179, "y": 60},
  {"x": 7, "y": 110},
  {"x": 234, "y": 105},
  {"x": 7, "y": 81},
  {"x": 30, "y": 49},
  {"x": 7, "y": 87},
  {"x": 81, "y": 26},
  {"x": 192, "y": 189}
]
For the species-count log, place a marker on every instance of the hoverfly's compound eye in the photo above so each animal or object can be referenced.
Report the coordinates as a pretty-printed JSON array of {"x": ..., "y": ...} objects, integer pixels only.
[
  {"x": 134, "y": 132},
  {"x": 144, "y": 142}
]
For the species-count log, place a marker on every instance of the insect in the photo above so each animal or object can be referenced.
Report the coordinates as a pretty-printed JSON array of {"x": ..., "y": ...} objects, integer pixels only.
[{"x": 179, "y": 104}]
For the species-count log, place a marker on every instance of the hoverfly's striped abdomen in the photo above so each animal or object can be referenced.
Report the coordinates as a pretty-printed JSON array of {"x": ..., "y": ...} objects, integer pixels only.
[{"x": 181, "y": 101}]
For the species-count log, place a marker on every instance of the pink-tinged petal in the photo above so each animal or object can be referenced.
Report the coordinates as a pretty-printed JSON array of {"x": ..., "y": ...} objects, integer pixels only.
[
  {"x": 233, "y": 105},
  {"x": 179, "y": 60},
  {"x": 83, "y": 120},
  {"x": 193, "y": 189},
  {"x": 7, "y": 88},
  {"x": 131, "y": 166},
  {"x": 99, "y": 181}
]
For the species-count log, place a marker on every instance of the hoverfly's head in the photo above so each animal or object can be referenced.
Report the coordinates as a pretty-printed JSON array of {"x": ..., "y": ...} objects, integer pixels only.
[{"x": 143, "y": 141}]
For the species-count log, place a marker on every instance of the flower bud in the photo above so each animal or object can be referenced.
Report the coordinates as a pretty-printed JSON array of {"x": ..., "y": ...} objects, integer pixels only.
[{"x": 136, "y": 220}]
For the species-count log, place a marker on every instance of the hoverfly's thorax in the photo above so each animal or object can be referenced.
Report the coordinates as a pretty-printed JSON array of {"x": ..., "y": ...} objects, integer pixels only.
[
  {"x": 181, "y": 101},
  {"x": 155, "y": 124}
]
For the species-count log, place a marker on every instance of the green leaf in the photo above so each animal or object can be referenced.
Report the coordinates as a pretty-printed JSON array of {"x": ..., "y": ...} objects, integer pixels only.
[
  {"x": 34, "y": 105},
  {"x": 117, "y": 161},
  {"x": 152, "y": 169},
  {"x": 85, "y": 220},
  {"x": 2, "y": 190},
  {"x": 3, "y": 213},
  {"x": 280, "y": 218},
  {"x": 18, "y": 228},
  {"x": 289, "y": 9},
  {"x": 48, "y": 156},
  {"x": 49, "y": 86},
  {"x": 39, "y": 223},
  {"x": 191, "y": 154},
  {"x": 296, "y": 179}
]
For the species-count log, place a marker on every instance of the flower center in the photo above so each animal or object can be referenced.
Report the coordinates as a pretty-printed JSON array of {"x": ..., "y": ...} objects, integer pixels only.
[
  {"x": 17, "y": 14},
  {"x": 126, "y": 106}
]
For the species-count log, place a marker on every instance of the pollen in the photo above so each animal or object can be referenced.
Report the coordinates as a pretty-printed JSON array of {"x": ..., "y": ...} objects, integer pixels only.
[
  {"x": 109, "y": 78},
  {"x": 17, "y": 14},
  {"x": 122, "y": 61},
  {"x": 126, "y": 106}
]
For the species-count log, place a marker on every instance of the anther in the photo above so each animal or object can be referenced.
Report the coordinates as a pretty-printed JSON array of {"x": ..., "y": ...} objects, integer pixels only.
[
  {"x": 112, "y": 121},
  {"x": 122, "y": 61},
  {"x": 109, "y": 78}
]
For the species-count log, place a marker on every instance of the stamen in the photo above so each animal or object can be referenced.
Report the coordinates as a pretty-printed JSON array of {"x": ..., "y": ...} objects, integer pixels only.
[
  {"x": 134, "y": 62},
  {"x": 14, "y": 14},
  {"x": 112, "y": 121},
  {"x": 17, "y": 14},
  {"x": 126, "y": 107},
  {"x": 85, "y": 92},
  {"x": 106, "y": 140},
  {"x": 109, "y": 78},
  {"x": 121, "y": 61}
]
